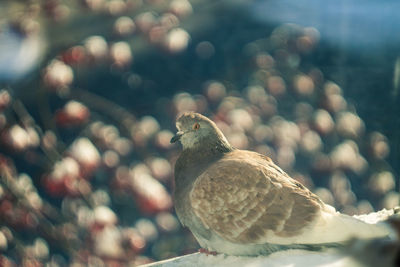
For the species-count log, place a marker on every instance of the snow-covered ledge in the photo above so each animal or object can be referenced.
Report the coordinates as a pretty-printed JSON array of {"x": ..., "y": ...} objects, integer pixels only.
[{"x": 292, "y": 258}]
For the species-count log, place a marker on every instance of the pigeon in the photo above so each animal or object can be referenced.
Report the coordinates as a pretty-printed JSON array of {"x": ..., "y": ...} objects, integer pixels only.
[{"x": 240, "y": 202}]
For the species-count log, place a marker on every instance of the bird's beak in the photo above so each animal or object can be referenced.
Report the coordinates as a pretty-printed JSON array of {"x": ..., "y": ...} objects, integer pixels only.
[{"x": 176, "y": 137}]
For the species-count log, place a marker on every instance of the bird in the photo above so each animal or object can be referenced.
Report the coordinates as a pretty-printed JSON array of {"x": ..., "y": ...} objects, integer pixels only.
[{"x": 239, "y": 202}]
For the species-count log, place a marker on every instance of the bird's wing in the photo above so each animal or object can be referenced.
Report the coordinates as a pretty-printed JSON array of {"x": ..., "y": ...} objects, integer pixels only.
[{"x": 246, "y": 198}]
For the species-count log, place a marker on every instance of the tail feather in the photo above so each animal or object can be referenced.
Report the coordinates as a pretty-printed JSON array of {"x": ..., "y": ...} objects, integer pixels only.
[
  {"x": 361, "y": 229},
  {"x": 334, "y": 227},
  {"x": 340, "y": 227}
]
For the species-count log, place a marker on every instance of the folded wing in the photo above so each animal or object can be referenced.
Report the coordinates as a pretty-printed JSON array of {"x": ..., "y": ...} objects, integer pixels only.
[{"x": 248, "y": 199}]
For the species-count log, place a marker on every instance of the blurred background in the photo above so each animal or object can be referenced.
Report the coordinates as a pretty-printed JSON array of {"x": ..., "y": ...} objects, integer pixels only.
[{"x": 90, "y": 89}]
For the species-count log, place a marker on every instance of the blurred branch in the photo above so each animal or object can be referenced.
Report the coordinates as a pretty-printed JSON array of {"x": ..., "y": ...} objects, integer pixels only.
[
  {"x": 27, "y": 120},
  {"x": 45, "y": 227},
  {"x": 107, "y": 107}
]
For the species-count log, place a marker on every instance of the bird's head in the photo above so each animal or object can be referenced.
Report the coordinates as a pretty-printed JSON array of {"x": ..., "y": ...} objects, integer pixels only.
[{"x": 196, "y": 130}]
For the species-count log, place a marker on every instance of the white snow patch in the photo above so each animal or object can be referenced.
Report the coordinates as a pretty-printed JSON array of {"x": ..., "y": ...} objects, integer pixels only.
[{"x": 375, "y": 217}]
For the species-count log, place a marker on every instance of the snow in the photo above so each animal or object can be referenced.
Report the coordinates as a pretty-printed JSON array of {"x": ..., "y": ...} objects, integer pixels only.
[
  {"x": 376, "y": 217},
  {"x": 289, "y": 258}
]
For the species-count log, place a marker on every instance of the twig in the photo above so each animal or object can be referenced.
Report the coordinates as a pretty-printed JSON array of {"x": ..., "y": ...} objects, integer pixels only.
[
  {"x": 114, "y": 111},
  {"x": 49, "y": 231}
]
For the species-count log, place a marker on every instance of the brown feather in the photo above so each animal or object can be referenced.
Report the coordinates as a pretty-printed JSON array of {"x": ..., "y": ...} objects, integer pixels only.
[{"x": 244, "y": 197}]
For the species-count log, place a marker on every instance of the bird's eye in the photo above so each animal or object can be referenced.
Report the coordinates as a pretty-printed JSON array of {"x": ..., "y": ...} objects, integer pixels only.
[{"x": 196, "y": 126}]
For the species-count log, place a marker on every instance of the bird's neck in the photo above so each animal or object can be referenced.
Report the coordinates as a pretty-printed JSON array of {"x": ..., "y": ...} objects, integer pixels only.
[
  {"x": 206, "y": 151},
  {"x": 193, "y": 161}
]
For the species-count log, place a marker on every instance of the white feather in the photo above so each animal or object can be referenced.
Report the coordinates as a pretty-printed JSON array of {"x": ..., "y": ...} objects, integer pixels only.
[{"x": 333, "y": 227}]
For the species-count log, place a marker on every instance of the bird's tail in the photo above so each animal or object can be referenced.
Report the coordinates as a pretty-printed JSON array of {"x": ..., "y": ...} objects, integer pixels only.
[
  {"x": 363, "y": 227},
  {"x": 364, "y": 230},
  {"x": 381, "y": 219}
]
